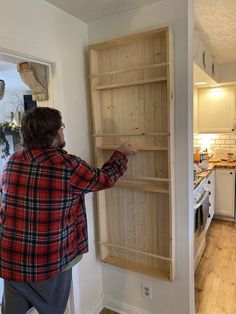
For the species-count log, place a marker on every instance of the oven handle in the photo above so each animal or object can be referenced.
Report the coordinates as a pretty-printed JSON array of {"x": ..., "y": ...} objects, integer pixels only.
[
  {"x": 205, "y": 194},
  {"x": 196, "y": 206}
]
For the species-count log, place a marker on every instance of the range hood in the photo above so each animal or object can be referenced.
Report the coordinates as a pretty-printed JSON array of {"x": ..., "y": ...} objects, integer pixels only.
[{"x": 201, "y": 79}]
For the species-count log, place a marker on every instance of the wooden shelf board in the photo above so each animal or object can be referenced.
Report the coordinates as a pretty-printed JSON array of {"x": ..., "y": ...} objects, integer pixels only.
[
  {"x": 132, "y": 134},
  {"x": 138, "y": 252},
  {"x": 153, "y": 179},
  {"x": 112, "y": 86},
  {"x": 111, "y": 147},
  {"x": 145, "y": 67},
  {"x": 136, "y": 267},
  {"x": 141, "y": 187}
]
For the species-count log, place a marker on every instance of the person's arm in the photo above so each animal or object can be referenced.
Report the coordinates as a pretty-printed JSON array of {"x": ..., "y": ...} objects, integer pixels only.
[{"x": 86, "y": 179}]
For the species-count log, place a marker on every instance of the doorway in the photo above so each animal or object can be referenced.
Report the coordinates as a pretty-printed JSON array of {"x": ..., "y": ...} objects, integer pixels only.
[{"x": 15, "y": 101}]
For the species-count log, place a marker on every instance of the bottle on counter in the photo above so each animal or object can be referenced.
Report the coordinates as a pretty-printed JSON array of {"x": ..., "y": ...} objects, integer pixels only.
[{"x": 196, "y": 156}]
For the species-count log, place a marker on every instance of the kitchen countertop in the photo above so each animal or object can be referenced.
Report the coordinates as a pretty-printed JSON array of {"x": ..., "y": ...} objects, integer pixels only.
[
  {"x": 220, "y": 164},
  {"x": 224, "y": 164}
]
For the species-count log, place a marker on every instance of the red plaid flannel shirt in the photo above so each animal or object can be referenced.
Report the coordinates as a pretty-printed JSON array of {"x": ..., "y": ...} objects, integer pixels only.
[{"x": 43, "y": 222}]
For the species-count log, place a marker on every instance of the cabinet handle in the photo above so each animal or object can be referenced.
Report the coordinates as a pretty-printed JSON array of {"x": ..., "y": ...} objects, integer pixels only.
[
  {"x": 233, "y": 130},
  {"x": 231, "y": 172},
  {"x": 209, "y": 182},
  {"x": 213, "y": 69},
  {"x": 209, "y": 193},
  {"x": 209, "y": 216},
  {"x": 204, "y": 59},
  {"x": 209, "y": 204}
]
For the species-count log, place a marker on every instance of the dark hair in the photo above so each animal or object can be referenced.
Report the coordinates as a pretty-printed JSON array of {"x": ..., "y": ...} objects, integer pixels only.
[{"x": 39, "y": 127}]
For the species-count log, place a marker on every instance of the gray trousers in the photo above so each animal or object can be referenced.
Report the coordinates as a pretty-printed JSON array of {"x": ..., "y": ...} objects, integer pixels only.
[{"x": 48, "y": 297}]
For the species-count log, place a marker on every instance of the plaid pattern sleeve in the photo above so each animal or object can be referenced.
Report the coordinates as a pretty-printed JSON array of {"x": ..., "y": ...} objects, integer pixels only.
[
  {"x": 86, "y": 179},
  {"x": 43, "y": 224}
]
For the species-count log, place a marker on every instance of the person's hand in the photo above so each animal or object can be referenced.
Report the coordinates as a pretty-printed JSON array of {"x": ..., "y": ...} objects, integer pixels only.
[{"x": 127, "y": 149}]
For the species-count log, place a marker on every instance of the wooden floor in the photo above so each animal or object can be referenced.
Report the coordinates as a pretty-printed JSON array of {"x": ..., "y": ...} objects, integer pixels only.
[
  {"x": 106, "y": 311},
  {"x": 215, "y": 280}
]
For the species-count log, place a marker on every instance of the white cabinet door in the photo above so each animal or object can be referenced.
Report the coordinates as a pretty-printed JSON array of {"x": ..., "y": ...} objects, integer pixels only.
[
  {"x": 216, "y": 110},
  {"x": 225, "y": 192},
  {"x": 211, "y": 188}
]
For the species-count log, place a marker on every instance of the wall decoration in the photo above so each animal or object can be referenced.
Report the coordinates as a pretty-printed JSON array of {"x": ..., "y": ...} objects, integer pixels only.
[
  {"x": 8, "y": 128},
  {"x": 34, "y": 75},
  {"x": 2, "y": 89}
]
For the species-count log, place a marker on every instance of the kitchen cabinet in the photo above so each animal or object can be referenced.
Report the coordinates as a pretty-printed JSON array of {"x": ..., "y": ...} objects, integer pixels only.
[
  {"x": 131, "y": 83},
  {"x": 211, "y": 189},
  {"x": 225, "y": 193},
  {"x": 216, "y": 110}
]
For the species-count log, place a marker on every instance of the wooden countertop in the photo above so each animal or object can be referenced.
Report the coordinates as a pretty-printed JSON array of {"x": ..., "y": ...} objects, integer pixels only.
[
  {"x": 219, "y": 164},
  {"x": 224, "y": 164},
  {"x": 212, "y": 165}
]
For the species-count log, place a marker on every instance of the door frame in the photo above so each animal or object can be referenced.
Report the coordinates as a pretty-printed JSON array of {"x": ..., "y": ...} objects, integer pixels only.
[{"x": 18, "y": 57}]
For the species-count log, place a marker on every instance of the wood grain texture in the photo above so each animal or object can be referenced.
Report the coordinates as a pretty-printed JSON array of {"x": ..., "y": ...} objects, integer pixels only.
[
  {"x": 215, "y": 280},
  {"x": 130, "y": 93}
]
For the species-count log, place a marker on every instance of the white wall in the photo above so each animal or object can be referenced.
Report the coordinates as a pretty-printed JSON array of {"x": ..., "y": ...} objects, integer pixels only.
[
  {"x": 37, "y": 29},
  {"x": 123, "y": 288}
]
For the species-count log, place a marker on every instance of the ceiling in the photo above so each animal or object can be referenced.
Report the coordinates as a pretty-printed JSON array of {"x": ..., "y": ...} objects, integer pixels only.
[
  {"x": 217, "y": 19},
  {"x": 90, "y": 10}
]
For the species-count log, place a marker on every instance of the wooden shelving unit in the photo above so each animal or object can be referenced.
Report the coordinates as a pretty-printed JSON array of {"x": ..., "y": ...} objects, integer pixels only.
[{"x": 132, "y": 100}]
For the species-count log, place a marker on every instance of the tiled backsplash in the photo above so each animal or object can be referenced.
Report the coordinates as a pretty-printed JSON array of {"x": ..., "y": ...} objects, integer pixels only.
[{"x": 212, "y": 141}]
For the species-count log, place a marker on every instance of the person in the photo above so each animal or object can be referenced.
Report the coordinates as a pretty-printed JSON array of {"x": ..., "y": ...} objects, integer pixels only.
[{"x": 43, "y": 226}]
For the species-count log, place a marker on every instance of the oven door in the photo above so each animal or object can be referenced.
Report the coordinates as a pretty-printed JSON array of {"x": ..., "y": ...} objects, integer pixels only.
[{"x": 201, "y": 210}]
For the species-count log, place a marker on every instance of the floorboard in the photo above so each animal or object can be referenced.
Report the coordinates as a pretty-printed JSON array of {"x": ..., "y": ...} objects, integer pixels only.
[{"x": 215, "y": 279}]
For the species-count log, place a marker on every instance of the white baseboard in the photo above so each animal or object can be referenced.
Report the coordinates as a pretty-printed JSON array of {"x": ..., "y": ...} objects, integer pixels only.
[
  {"x": 121, "y": 307},
  {"x": 97, "y": 307},
  {"x": 95, "y": 310}
]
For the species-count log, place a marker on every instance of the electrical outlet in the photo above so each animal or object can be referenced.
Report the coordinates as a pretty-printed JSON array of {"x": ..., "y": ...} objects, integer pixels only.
[{"x": 147, "y": 291}]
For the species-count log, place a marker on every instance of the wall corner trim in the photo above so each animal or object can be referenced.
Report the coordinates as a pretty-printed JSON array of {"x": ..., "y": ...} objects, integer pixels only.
[{"x": 97, "y": 308}]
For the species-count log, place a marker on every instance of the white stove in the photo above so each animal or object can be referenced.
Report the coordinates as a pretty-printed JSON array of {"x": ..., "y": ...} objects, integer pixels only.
[
  {"x": 200, "y": 186},
  {"x": 200, "y": 194}
]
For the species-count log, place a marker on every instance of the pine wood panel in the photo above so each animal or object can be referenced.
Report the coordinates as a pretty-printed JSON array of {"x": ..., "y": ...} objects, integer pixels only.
[
  {"x": 135, "y": 110},
  {"x": 215, "y": 281},
  {"x": 131, "y": 99}
]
